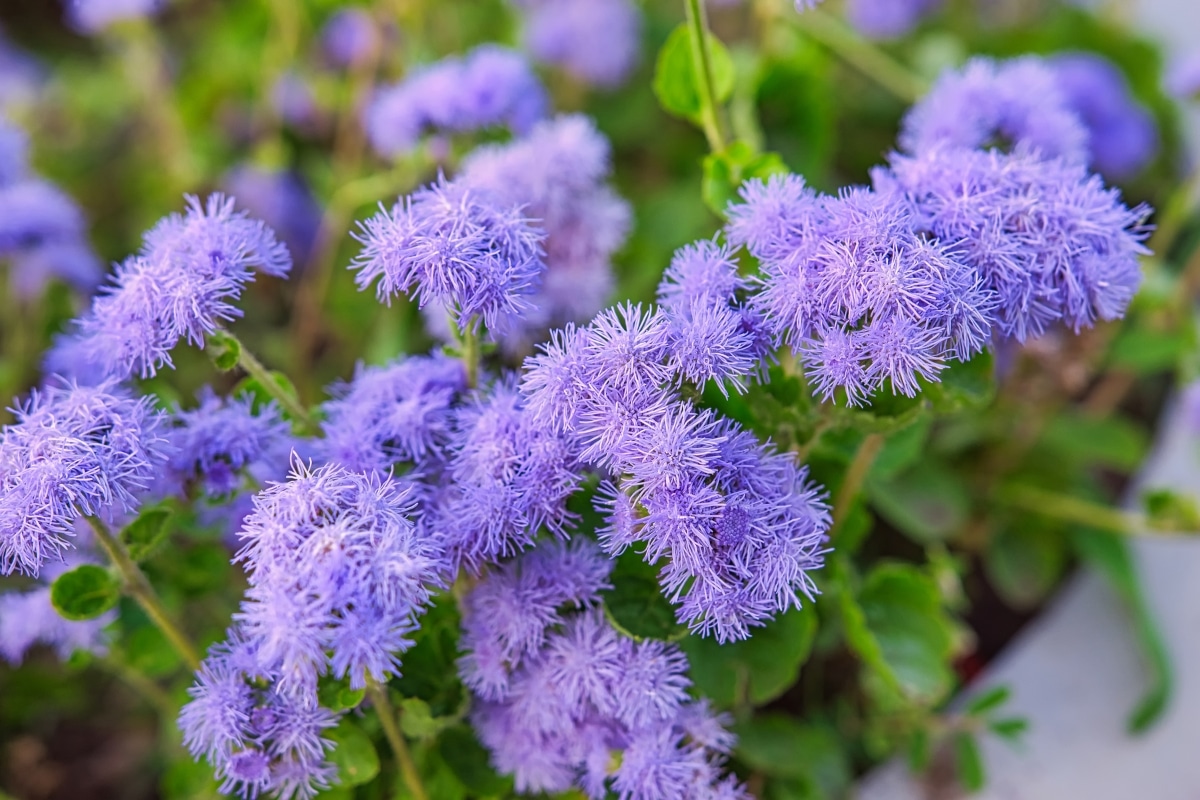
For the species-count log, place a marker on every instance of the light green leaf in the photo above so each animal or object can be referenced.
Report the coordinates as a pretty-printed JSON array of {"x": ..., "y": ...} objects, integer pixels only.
[
  {"x": 353, "y": 754},
  {"x": 675, "y": 81}
]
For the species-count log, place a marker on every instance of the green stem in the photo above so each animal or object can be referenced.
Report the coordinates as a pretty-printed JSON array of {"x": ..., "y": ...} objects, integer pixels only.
[
  {"x": 702, "y": 61},
  {"x": 471, "y": 356},
  {"x": 853, "y": 480},
  {"x": 1074, "y": 509},
  {"x": 387, "y": 718},
  {"x": 287, "y": 401},
  {"x": 862, "y": 55},
  {"x": 140, "y": 590}
]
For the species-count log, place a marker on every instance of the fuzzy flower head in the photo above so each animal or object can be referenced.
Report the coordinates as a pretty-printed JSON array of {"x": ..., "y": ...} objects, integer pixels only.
[
  {"x": 393, "y": 415},
  {"x": 1007, "y": 104},
  {"x": 563, "y": 33},
  {"x": 488, "y": 87},
  {"x": 93, "y": 16},
  {"x": 558, "y": 174},
  {"x": 458, "y": 246},
  {"x": 14, "y": 158},
  {"x": 888, "y": 19},
  {"x": 559, "y": 690},
  {"x": 29, "y": 618},
  {"x": 283, "y": 201},
  {"x": 182, "y": 285},
  {"x": 1122, "y": 135},
  {"x": 72, "y": 451},
  {"x": 337, "y": 576},
  {"x": 350, "y": 38}
]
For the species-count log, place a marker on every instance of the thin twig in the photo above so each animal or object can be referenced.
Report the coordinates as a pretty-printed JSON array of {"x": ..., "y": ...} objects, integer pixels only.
[{"x": 387, "y": 718}]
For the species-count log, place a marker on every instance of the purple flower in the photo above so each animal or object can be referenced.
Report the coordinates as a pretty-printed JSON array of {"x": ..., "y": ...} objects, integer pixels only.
[
  {"x": 93, "y": 16},
  {"x": 1183, "y": 77},
  {"x": 1122, "y": 135},
  {"x": 337, "y": 577},
  {"x": 182, "y": 284},
  {"x": 1049, "y": 241},
  {"x": 563, "y": 32},
  {"x": 73, "y": 450},
  {"x": 28, "y": 618},
  {"x": 558, "y": 173},
  {"x": 257, "y": 738},
  {"x": 283, "y": 201},
  {"x": 392, "y": 415},
  {"x": 33, "y": 212},
  {"x": 350, "y": 38},
  {"x": 71, "y": 261},
  {"x": 21, "y": 79},
  {"x": 293, "y": 99},
  {"x": 986, "y": 103},
  {"x": 14, "y": 158},
  {"x": 888, "y": 19},
  {"x": 490, "y": 86},
  {"x": 457, "y": 246}
]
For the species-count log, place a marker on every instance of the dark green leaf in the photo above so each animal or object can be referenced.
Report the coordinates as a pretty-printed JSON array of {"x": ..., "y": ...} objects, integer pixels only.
[
  {"x": 675, "y": 81},
  {"x": 224, "y": 350},
  {"x": 968, "y": 761},
  {"x": 1143, "y": 351},
  {"x": 1011, "y": 728},
  {"x": 988, "y": 701},
  {"x": 1024, "y": 563},
  {"x": 1171, "y": 511},
  {"x": 142, "y": 536},
  {"x": 353, "y": 754},
  {"x": 758, "y": 669},
  {"x": 85, "y": 592},
  {"x": 780, "y": 746},
  {"x": 430, "y": 673},
  {"x": 635, "y": 604},
  {"x": 919, "y": 751},
  {"x": 469, "y": 762},
  {"x": 902, "y": 449},
  {"x": 930, "y": 503},
  {"x": 1110, "y": 554},
  {"x": 1108, "y": 441},
  {"x": 964, "y": 385}
]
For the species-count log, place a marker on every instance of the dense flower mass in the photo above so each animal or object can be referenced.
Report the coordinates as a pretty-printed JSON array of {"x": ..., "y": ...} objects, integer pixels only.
[
  {"x": 459, "y": 247},
  {"x": 181, "y": 285},
  {"x": 72, "y": 451},
  {"x": 1122, "y": 136},
  {"x": 560, "y": 690},
  {"x": 564, "y": 33},
  {"x": 989, "y": 103},
  {"x": 557, "y": 174},
  {"x": 490, "y": 86}
]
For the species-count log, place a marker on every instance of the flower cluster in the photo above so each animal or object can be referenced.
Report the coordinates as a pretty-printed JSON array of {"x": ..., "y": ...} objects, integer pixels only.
[
  {"x": 283, "y": 201},
  {"x": 563, "y": 33},
  {"x": 181, "y": 285},
  {"x": 41, "y": 229},
  {"x": 93, "y": 16},
  {"x": 351, "y": 38},
  {"x": 487, "y": 87},
  {"x": 888, "y": 19},
  {"x": 560, "y": 691},
  {"x": 337, "y": 577},
  {"x": 458, "y": 247},
  {"x": 557, "y": 175},
  {"x": 736, "y": 526},
  {"x": 72, "y": 451}
]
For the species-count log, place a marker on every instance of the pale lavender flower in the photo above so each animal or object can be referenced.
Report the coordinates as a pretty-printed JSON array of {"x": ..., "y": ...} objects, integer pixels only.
[
  {"x": 564, "y": 33},
  {"x": 805, "y": 5},
  {"x": 490, "y": 86},
  {"x": 70, "y": 261},
  {"x": 34, "y": 212},
  {"x": 70, "y": 358},
  {"x": 888, "y": 19},
  {"x": 337, "y": 577},
  {"x": 93, "y": 16},
  {"x": 1183, "y": 77},
  {"x": 558, "y": 175},
  {"x": 393, "y": 415},
  {"x": 989, "y": 103},
  {"x": 295, "y": 102},
  {"x": 350, "y": 37},
  {"x": 14, "y": 157},
  {"x": 181, "y": 285},
  {"x": 21, "y": 79},
  {"x": 1122, "y": 135},
  {"x": 283, "y": 201},
  {"x": 73, "y": 450},
  {"x": 29, "y": 618},
  {"x": 458, "y": 246}
]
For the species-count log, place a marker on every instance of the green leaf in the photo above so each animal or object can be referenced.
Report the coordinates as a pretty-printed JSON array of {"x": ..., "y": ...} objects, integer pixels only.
[
  {"x": 635, "y": 604},
  {"x": 353, "y": 754},
  {"x": 1111, "y": 556},
  {"x": 85, "y": 592},
  {"x": 1144, "y": 351},
  {"x": 929, "y": 504},
  {"x": 1011, "y": 728},
  {"x": 758, "y": 669},
  {"x": 903, "y": 633},
  {"x": 1024, "y": 563},
  {"x": 470, "y": 763},
  {"x": 338, "y": 696},
  {"x": 964, "y": 385},
  {"x": 224, "y": 350},
  {"x": 149, "y": 652},
  {"x": 1109, "y": 441},
  {"x": 417, "y": 721},
  {"x": 988, "y": 701},
  {"x": 726, "y": 171},
  {"x": 430, "y": 673},
  {"x": 675, "y": 81},
  {"x": 902, "y": 449},
  {"x": 780, "y": 746},
  {"x": 969, "y": 762},
  {"x": 186, "y": 779},
  {"x": 143, "y": 536},
  {"x": 1171, "y": 511},
  {"x": 251, "y": 386}
]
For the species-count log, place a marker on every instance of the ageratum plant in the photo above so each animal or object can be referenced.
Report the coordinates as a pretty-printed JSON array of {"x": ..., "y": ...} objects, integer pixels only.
[{"x": 577, "y": 461}]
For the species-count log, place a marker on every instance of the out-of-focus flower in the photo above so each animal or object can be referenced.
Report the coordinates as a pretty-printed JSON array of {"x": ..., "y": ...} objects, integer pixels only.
[
  {"x": 888, "y": 19},
  {"x": 282, "y": 200},
  {"x": 93, "y": 16},
  {"x": 565, "y": 33},
  {"x": 350, "y": 37},
  {"x": 1183, "y": 77}
]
